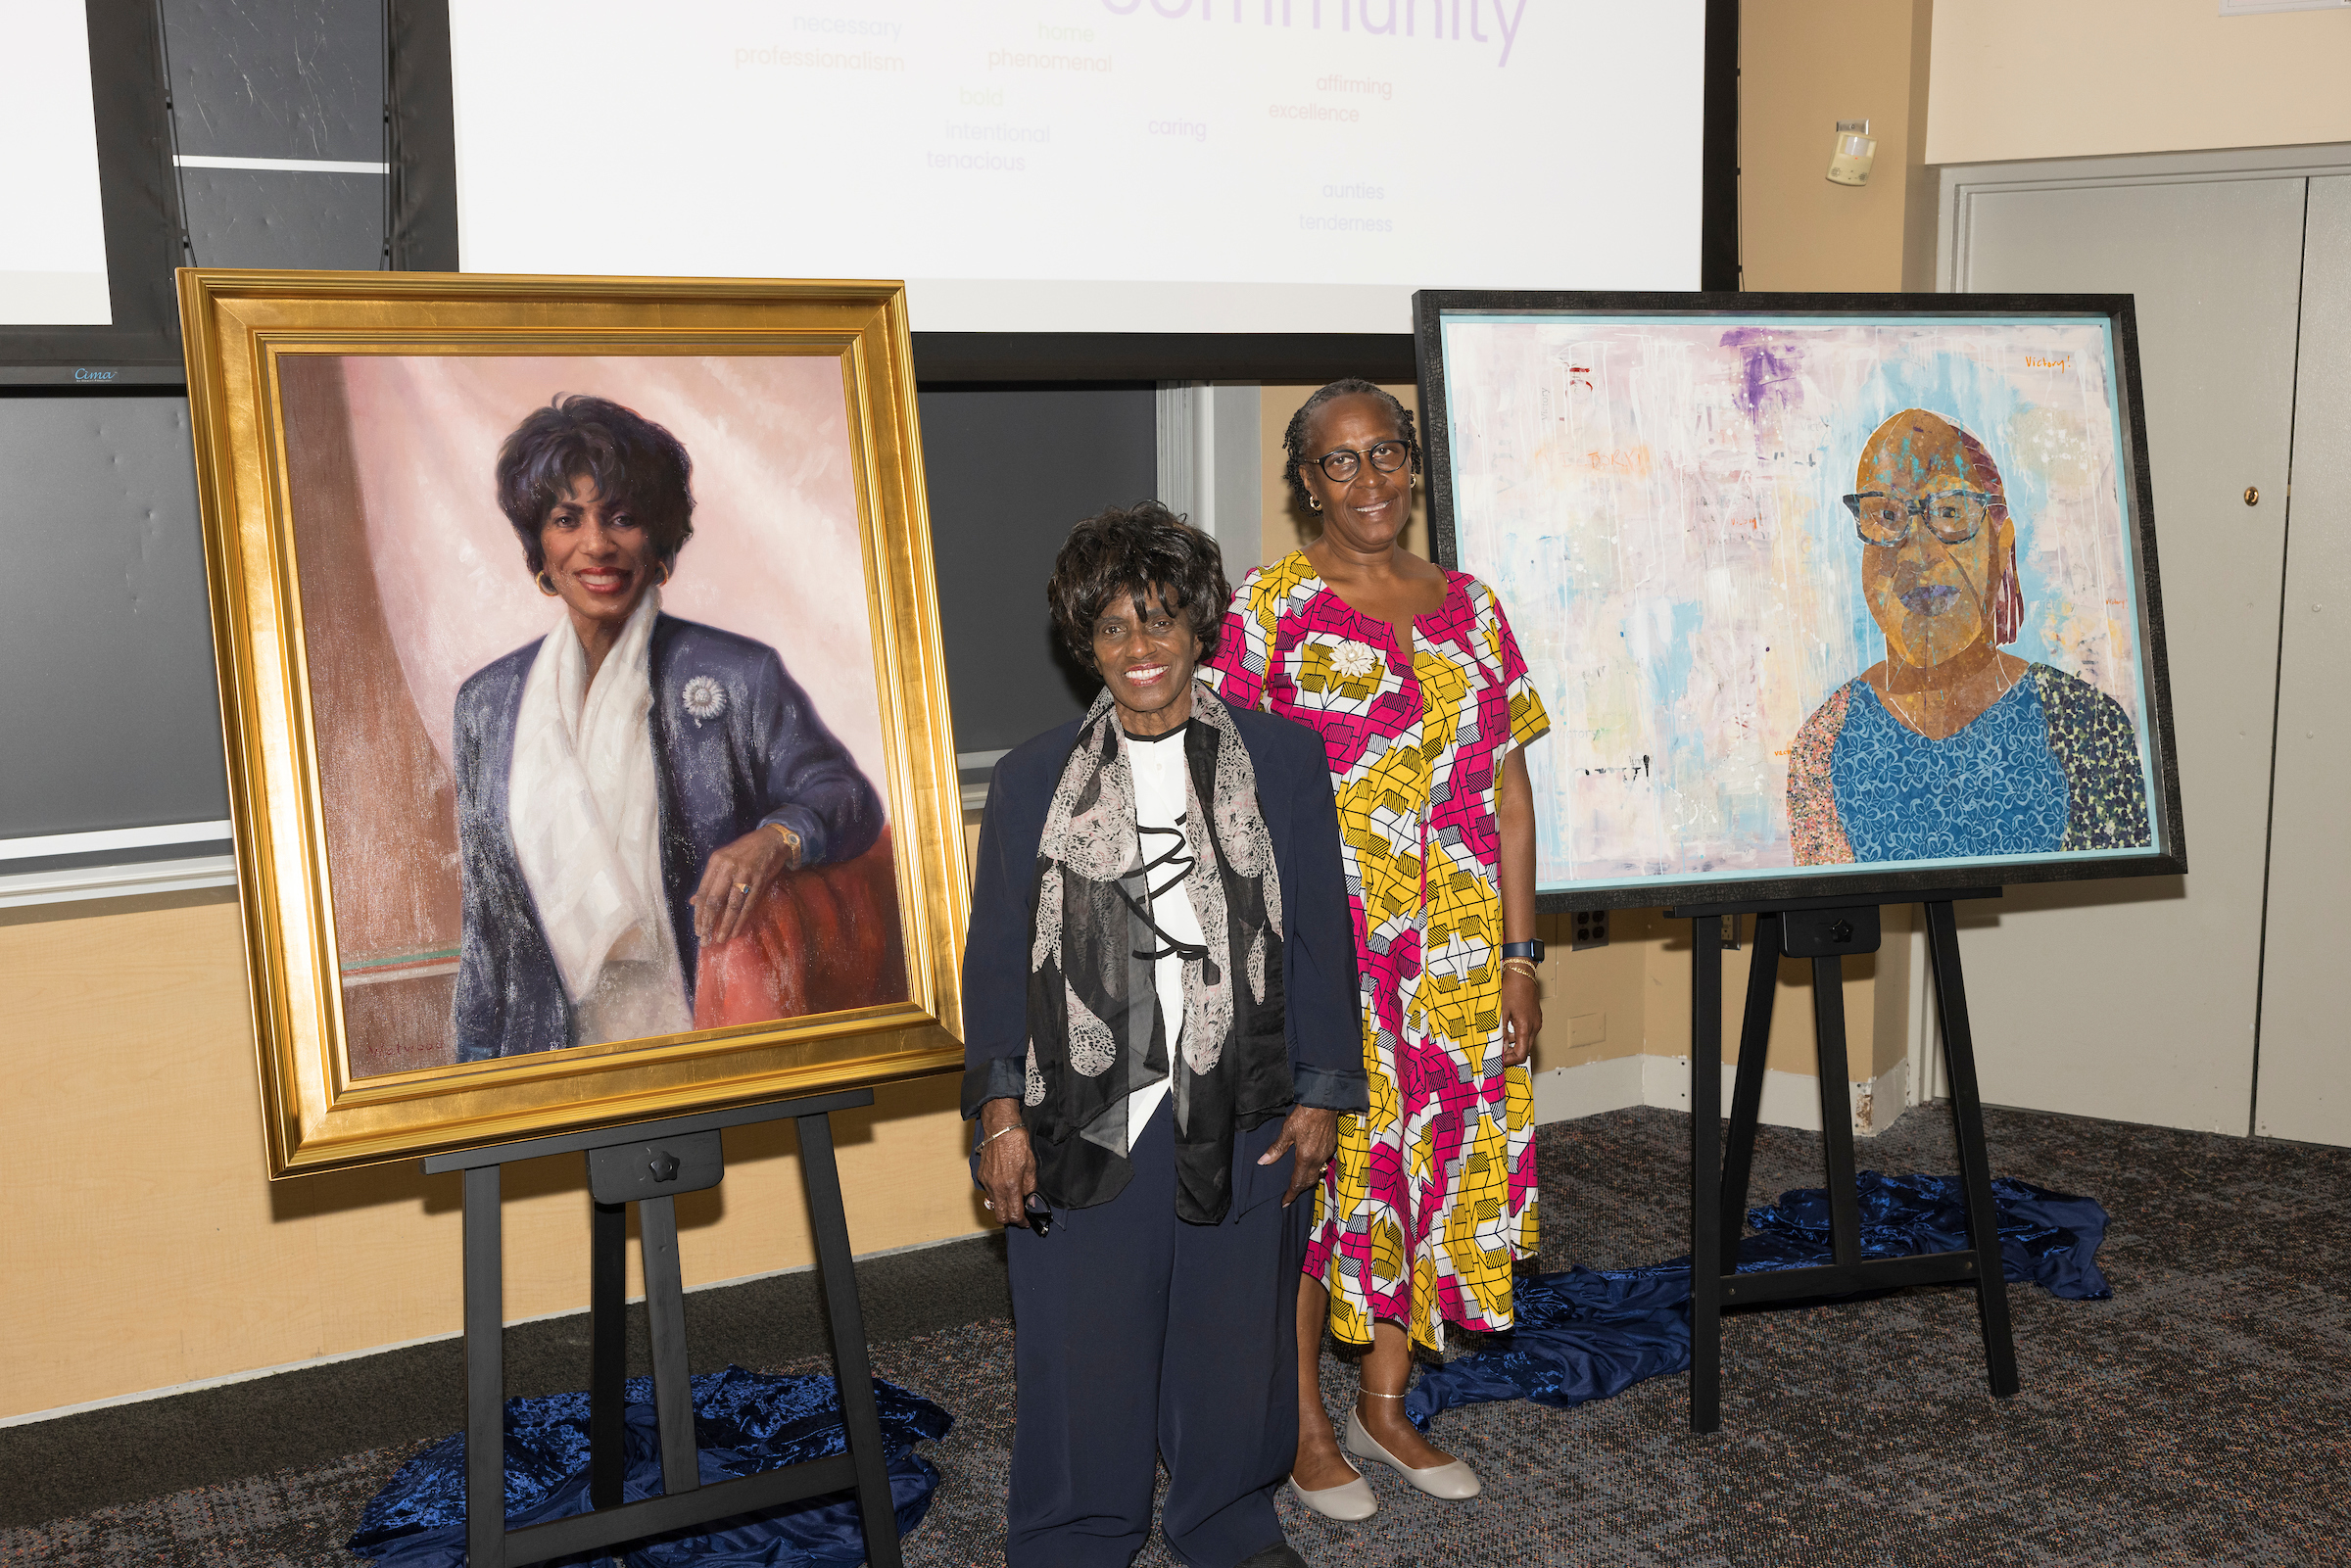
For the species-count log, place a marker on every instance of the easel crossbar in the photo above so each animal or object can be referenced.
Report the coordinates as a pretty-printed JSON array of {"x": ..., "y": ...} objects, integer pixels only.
[
  {"x": 1845, "y": 1279},
  {"x": 654, "y": 1516}
]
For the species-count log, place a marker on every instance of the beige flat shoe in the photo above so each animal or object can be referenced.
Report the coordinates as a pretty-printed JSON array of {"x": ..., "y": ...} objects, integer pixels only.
[
  {"x": 1346, "y": 1502},
  {"x": 1456, "y": 1480}
]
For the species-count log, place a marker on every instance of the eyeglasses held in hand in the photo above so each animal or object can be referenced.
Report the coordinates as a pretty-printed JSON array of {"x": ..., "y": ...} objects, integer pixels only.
[
  {"x": 1956, "y": 517},
  {"x": 1385, "y": 456}
]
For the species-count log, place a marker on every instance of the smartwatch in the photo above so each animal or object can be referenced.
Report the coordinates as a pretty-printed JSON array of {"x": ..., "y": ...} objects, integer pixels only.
[{"x": 1533, "y": 950}]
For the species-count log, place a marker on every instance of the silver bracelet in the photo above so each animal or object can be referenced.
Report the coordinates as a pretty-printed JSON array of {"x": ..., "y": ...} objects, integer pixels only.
[{"x": 1017, "y": 1126}]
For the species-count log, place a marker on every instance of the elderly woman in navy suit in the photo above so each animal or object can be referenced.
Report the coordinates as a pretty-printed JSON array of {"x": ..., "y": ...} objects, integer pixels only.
[
  {"x": 629, "y": 784},
  {"x": 1158, "y": 1037}
]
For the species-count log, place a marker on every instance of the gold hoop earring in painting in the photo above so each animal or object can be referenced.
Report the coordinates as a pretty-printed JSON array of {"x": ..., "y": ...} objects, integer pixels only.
[
  {"x": 544, "y": 586},
  {"x": 663, "y": 569}
]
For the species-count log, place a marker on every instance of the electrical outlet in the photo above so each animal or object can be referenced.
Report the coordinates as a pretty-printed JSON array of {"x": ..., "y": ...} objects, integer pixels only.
[{"x": 1590, "y": 929}]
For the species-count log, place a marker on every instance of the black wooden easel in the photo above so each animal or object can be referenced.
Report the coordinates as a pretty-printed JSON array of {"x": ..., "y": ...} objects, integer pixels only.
[
  {"x": 1824, "y": 931},
  {"x": 650, "y": 1165}
]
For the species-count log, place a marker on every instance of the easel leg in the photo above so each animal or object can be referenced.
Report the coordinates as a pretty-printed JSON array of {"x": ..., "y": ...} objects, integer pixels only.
[
  {"x": 1706, "y": 1173},
  {"x": 665, "y": 1317},
  {"x": 852, "y": 1373},
  {"x": 1747, "y": 1093},
  {"x": 485, "y": 1373},
  {"x": 1975, "y": 1164},
  {"x": 1836, "y": 1109},
  {"x": 608, "y": 1351}
]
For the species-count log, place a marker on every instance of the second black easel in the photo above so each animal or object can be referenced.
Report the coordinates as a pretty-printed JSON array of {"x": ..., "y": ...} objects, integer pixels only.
[{"x": 1825, "y": 930}]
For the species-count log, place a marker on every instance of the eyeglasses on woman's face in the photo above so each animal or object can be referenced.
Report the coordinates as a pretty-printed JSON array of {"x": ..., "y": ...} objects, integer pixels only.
[
  {"x": 1342, "y": 464},
  {"x": 1954, "y": 516}
]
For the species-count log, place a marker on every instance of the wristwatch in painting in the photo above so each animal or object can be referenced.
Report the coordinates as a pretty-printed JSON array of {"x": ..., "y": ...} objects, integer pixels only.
[{"x": 1533, "y": 950}]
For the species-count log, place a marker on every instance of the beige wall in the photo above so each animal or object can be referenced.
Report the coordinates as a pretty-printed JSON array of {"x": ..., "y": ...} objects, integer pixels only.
[
  {"x": 147, "y": 1250},
  {"x": 1633, "y": 997},
  {"x": 1803, "y": 66},
  {"x": 2070, "y": 78}
]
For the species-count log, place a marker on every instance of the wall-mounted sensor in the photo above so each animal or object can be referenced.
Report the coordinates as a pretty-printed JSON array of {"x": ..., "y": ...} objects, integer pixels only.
[{"x": 1850, "y": 163}]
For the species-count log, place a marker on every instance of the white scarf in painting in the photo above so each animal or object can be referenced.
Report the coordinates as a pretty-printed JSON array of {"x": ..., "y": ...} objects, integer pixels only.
[{"x": 585, "y": 810}]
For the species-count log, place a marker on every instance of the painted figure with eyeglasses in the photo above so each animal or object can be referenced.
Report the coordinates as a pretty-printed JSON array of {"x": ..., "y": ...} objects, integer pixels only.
[{"x": 1950, "y": 747}]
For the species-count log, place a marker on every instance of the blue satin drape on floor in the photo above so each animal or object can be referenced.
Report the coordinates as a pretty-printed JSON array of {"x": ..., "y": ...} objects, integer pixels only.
[
  {"x": 1587, "y": 1334},
  {"x": 744, "y": 1422}
]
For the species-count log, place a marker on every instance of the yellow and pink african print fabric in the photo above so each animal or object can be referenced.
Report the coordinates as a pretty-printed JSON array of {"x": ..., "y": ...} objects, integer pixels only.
[{"x": 1431, "y": 1197}]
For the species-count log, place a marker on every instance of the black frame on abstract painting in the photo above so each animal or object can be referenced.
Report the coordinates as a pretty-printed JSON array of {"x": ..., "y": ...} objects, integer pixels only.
[{"x": 1883, "y": 882}]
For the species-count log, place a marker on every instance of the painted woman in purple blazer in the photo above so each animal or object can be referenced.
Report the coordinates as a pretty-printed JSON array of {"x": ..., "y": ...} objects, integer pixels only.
[{"x": 629, "y": 784}]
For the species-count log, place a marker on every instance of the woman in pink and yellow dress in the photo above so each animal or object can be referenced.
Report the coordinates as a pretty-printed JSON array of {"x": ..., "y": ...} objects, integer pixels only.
[{"x": 1412, "y": 676}]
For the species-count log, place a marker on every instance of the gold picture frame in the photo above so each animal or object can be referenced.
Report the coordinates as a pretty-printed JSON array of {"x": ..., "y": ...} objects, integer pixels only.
[{"x": 332, "y": 740}]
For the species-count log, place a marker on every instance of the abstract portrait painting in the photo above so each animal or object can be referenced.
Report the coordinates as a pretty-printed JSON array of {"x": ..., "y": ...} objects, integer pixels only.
[
  {"x": 613, "y": 714},
  {"x": 1822, "y": 601}
]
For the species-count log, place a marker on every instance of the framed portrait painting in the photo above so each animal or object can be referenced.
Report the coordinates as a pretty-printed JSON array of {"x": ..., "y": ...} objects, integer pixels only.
[
  {"x": 1827, "y": 596},
  {"x": 586, "y": 730}
]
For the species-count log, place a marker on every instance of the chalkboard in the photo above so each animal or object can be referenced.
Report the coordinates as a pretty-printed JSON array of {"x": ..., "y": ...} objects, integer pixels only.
[
  {"x": 109, "y": 705},
  {"x": 1008, "y": 470}
]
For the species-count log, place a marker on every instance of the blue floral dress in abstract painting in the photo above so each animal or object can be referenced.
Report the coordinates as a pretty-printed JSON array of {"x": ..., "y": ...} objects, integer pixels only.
[{"x": 2051, "y": 768}]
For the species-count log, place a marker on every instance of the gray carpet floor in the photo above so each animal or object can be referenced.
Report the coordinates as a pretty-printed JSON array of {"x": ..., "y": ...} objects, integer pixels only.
[{"x": 2203, "y": 1415}]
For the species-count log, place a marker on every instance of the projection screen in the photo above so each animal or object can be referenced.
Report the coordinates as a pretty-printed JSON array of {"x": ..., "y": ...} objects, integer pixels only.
[
  {"x": 53, "y": 248},
  {"x": 1090, "y": 165}
]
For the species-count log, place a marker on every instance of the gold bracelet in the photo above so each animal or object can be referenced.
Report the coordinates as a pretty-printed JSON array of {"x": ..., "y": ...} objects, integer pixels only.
[{"x": 1524, "y": 966}]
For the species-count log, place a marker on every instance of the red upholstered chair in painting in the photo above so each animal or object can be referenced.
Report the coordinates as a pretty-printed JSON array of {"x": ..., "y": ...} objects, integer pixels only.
[{"x": 822, "y": 940}]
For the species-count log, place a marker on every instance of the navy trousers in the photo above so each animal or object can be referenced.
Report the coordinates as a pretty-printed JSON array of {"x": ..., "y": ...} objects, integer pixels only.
[{"x": 1139, "y": 1336}]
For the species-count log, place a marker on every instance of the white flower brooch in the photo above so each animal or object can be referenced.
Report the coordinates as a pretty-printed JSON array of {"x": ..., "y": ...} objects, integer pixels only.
[
  {"x": 1354, "y": 659},
  {"x": 703, "y": 698}
]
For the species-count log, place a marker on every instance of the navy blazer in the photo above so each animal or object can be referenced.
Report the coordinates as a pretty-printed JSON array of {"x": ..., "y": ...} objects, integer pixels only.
[
  {"x": 1318, "y": 939},
  {"x": 765, "y": 757}
]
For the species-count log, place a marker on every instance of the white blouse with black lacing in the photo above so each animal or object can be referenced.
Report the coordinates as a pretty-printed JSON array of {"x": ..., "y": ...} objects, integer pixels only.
[{"x": 1161, "y": 805}]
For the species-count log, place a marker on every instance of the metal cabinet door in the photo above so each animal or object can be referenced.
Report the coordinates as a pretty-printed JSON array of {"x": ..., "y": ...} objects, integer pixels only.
[
  {"x": 2136, "y": 999},
  {"x": 2303, "y": 1078}
]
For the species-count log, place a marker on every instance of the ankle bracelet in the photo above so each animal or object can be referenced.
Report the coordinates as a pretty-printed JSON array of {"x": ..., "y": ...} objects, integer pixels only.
[{"x": 1370, "y": 1394}]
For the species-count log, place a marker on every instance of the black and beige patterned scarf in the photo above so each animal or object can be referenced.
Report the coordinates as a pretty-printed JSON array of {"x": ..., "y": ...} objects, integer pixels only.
[{"x": 1096, "y": 1031}]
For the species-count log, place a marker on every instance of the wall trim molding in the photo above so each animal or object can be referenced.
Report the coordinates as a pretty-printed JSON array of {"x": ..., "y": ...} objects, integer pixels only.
[
  {"x": 106, "y": 838},
  {"x": 117, "y": 882},
  {"x": 1790, "y": 1099}
]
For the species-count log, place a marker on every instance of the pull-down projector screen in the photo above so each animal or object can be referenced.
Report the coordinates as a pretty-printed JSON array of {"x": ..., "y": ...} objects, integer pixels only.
[
  {"x": 53, "y": 246},
  {"x": 1090, "y": 165}
]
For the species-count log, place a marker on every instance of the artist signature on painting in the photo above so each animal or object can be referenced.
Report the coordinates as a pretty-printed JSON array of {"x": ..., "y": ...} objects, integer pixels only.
[{"x": 2061, "y": 363}]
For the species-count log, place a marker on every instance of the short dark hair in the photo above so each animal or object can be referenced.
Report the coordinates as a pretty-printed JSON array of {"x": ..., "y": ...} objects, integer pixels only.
[
  {"x": 1122, "y": 553},
  {"x": 632, "y": 461},
  {"x": 1293, "y": 439}
]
